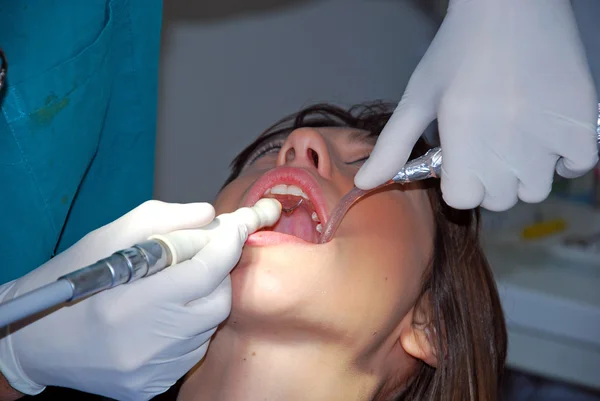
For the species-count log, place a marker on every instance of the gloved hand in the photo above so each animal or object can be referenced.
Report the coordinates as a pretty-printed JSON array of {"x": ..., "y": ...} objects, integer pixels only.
[
  {"x": 509, "y": 83},
  {"x": 136, "y": 340}
]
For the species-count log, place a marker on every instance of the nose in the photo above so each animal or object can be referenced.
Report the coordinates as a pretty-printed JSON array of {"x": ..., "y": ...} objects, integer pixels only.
[{"x": 307, "y": 148}]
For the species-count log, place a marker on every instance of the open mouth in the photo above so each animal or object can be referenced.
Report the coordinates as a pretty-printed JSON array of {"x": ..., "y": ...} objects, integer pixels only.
[
  {"x": 298, "y": 216},
  {"x": 303, "y": 207}
]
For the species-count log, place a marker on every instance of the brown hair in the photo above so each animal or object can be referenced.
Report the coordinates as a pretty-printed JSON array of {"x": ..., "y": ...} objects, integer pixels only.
[{"x": 464, "y": 313}]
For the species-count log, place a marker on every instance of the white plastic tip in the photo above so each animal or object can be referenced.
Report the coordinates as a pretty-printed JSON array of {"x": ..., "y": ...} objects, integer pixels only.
[{"x": 268, "y": 210}]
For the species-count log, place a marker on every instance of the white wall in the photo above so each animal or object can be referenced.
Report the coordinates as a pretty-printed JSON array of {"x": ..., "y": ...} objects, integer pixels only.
[{"x": 225, "y": 80}]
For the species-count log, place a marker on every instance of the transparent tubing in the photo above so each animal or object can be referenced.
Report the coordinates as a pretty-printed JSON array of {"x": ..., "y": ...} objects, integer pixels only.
[
  {"x": 338, "y": 213},
  {"x": 427, "y": 166}
]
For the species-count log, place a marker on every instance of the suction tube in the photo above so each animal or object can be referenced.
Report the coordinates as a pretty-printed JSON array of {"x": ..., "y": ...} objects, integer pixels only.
[
  {"x": 139, "y": 261},
  {"x": 35, "y": 301}
]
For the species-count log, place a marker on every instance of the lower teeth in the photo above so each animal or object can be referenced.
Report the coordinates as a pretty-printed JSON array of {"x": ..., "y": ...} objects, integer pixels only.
[{"x": 319, "y": 228}]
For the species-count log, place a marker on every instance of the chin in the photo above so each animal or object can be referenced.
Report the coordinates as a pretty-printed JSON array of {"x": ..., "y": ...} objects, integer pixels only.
[{"x": 271, "y": 283}]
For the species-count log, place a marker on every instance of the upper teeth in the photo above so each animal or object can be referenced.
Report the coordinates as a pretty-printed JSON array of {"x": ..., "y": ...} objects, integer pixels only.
[{"x": 282, "y": 189}]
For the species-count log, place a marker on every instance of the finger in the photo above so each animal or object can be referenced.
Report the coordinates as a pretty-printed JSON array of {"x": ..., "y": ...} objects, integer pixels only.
[
  {"x": 461, "y": 188},
  {"x": 575, "y": 143},
  {"x": 200, "y": 276},
  {"x": 536, "y": 183},
  {"x": 190, "y": 355},
  {"x": 573, "y": 168},
  {"x": 501, "y": 193},
  {"x": 460, "y": 183},
  {"x": 155, "y": 217},
  {"x": 210, "y": 311},
  {"x": 394, "y": 145},
  {"x": 190, "y": 359},
  {"x": 578, "y": 151}
]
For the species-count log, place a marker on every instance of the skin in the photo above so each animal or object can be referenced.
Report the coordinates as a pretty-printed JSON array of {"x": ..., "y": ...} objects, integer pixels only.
[
  {"x": 7, "y": 393},
  {"x": 336, "y": 320}
]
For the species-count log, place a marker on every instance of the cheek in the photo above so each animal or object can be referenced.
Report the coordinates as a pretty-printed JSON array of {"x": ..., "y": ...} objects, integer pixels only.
[
  {"x": 386, "y": 246},
  {"x": 390, "y": 228},
  {"x": 230, "y": 198}
]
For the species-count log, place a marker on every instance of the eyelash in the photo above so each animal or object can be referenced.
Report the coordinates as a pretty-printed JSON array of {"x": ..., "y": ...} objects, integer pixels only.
[
  {"x": 362, "y": 160},
  {"x": 277, "y": 144},
  {"x": 265, "y": 148}
]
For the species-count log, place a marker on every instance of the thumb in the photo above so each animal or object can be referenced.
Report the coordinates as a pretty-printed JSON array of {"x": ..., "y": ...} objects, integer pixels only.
[{"x": 394, "y": 145}]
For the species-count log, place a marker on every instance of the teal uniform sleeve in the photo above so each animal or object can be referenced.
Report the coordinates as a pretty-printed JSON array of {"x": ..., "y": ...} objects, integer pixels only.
[{"x": 77, "y": 123}]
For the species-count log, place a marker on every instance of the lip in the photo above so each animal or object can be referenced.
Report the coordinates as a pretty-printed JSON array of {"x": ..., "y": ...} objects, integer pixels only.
[
  {"x": 267, "y": 238},
  {"x": 291, "y": 176}
]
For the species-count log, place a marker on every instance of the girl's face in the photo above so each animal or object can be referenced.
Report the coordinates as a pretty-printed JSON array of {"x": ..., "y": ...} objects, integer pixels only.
[{"x": 357, "y": 290}]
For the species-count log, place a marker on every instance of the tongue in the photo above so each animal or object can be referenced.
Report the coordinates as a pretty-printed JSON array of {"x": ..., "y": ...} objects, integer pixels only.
[{"x": 299, "y": 224}]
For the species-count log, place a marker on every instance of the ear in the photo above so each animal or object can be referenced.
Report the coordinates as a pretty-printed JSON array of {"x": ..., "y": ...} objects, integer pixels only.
[
  {"x": 417, "y": 342},
  {"x": 417, "y": 338}
]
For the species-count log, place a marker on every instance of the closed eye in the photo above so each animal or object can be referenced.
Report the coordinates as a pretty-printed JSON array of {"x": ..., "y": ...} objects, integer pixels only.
[
  {"x": 271, "y": 145},
  {"x": 359, "y": 161}
]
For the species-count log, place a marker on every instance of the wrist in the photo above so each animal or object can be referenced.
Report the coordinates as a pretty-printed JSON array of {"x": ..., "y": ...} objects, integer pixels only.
[
  {"x": 7, "y": 392},
  {"x": 13, "y": 380},
  {"x": 12, "y": 371}
]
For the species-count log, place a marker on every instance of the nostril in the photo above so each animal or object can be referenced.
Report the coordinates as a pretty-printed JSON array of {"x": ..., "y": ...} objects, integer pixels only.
[
  {"x": 314, "y": 156},
  {"x": 290, "y": 155}
]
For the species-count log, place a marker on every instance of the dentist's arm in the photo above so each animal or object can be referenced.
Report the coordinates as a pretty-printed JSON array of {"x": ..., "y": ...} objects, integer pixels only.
[
  {"x": 7, "y": 393},
  {"x": 510, "y": 86},
  {"x": 134, "y": 341}
]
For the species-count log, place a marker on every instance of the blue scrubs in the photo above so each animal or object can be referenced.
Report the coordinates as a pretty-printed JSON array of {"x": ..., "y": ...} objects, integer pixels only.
[{"x": 77, "y": 123}]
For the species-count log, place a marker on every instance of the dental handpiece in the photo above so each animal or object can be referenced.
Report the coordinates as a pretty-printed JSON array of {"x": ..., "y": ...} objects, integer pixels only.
[
  {"x": 421, "y": 168},
  {"x": 131, "y": 264}
]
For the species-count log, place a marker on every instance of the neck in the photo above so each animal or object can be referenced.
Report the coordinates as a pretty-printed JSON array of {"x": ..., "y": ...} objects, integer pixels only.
[{"x": 251, "y": 368}]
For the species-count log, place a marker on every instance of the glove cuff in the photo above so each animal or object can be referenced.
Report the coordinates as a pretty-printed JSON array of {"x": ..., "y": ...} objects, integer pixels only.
[{"x": 9, "y": 364}]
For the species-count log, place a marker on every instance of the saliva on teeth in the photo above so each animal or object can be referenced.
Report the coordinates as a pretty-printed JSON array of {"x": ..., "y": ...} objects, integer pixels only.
[
  {"x": 293, "y": 190},
  {"x": 315, "y": 218}
]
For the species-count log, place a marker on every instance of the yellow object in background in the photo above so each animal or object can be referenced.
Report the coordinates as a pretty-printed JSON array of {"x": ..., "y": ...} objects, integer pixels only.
[{"x": 544, "y": 229}]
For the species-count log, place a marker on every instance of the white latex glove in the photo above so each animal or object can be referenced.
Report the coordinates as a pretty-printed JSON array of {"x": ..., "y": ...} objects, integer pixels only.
[
  {"x": 136, "y": 340},
  {"x": 509, "y": 83}
]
